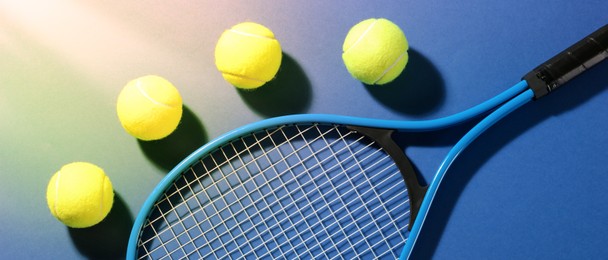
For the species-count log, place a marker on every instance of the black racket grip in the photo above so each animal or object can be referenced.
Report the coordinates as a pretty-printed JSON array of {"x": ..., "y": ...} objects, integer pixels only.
[{"x": 569, "y": 63}]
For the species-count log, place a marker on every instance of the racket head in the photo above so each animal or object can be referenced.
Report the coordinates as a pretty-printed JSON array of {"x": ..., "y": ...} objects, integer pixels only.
[
  {"x": 406, "y": 126},
  {"x": 349, "y": 199}
]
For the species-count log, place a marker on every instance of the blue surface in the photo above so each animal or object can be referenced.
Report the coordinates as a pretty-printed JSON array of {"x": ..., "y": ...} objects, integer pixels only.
[{"x": 533, "y": 186}]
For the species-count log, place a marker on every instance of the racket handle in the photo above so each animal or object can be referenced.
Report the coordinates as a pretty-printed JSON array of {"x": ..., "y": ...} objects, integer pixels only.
[{"x": 569, "y": 63}]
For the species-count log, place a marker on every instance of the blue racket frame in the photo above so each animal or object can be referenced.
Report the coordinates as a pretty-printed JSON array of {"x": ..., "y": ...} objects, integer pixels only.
[
  {"x": 405, "y": 126},
  {"x": 539, "y": 82}
]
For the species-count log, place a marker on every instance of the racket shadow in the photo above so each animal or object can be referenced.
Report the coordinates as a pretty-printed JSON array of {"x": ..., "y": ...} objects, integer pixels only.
[
  {"x": 492, "y": 141},
  {"x": 419, "y": 89},
  {"x": 169, "y": 151},
  {"x": 109, "y": 238},
  {"x": 288, "y": 93}
]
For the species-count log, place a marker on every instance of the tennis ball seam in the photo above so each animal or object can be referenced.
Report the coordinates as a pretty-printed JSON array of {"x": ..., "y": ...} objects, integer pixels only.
[
  {"x": 247, "y": 34},
  {"x": 148, "y": 97},
  {"x": 391, "y": 66},
  {"x": 55, "y": 212},
  {"x": 251, "y": 34},
  {"x": 242, "y": 76},
  {"x": 369, "y": 28}
]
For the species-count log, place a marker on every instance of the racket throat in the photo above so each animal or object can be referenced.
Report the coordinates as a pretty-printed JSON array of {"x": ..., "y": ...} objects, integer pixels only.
[{"x": 416, "y": 192}]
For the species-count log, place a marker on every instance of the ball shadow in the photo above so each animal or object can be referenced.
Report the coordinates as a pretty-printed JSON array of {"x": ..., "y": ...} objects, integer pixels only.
[
  {"x": 109, "y": 238},
  {"x": 288, "y": 93},
  {"x": 419, "y": 89},
  {"x": 487, "y": 145},
  {"x": 169, "y": 151}
]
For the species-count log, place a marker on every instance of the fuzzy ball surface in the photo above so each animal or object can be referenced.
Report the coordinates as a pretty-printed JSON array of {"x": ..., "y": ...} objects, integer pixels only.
[
  {"x": 80, "y": 195},
  {"x": 149, "y": 108},
  {"x": 248, "y": 55},
  {"x": 375, "y": 51}
]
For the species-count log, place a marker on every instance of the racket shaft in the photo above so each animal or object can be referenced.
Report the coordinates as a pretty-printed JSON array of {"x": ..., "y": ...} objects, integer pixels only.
[{"x": 569, "y": 63}]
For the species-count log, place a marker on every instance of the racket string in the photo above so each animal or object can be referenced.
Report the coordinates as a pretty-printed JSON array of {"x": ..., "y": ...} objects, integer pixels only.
[
  {"x": 295, "y": 200},
  {"x": 217, "y": 167},
  {"x": 311, "y": 203},
  {"x": 255, "y": 202},
  {"x": 361, "y": 168},
  {"x": 341, "y": 198},
  {"x": 168, "y": 253},
  {"x": 208, "y": 173},
  {"x": 215, "y": 209},
  {"x": 303, "y": 220},
  {"x": 359, "y": 196},
  {"x": 182, "y": 223},
  {"x": 337, "y": 223},
  {"x": 259, "y": 210},
  {"x": 326, "y": 203},
  {"x": 260, "y": 169}
]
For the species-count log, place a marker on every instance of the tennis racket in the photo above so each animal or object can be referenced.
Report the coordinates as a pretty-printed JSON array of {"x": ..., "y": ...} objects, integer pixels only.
[{"x": 319, "y": 186}]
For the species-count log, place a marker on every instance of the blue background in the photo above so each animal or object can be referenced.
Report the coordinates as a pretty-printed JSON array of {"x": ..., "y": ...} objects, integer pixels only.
[{"x": 531, "y": 187}]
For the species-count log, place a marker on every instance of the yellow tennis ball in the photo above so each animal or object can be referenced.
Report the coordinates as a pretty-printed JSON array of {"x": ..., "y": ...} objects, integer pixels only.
[
  {"x": 80, "y": 195},
  {"x": 149, "y": 108},
  {"x": 248, "y": 55},
  {"x": 375, "y": 51}
]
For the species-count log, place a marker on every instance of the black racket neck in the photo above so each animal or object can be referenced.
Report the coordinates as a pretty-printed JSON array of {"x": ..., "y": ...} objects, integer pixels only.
[{"x": 416, "y": 192}]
